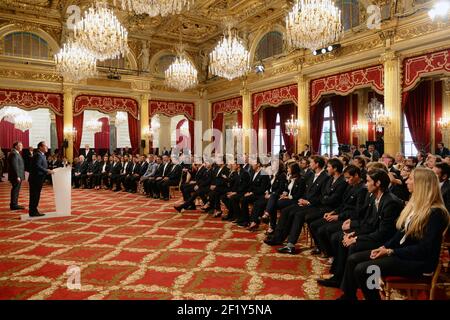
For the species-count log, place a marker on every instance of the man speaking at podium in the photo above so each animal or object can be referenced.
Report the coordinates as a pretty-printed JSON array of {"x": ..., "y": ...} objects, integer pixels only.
[{"x": 38, "y": 172}]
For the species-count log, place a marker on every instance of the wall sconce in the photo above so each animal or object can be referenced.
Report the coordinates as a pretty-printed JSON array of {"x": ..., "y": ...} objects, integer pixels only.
[
  {"x": 444, "y": 125},
  {"x": 357, "y": 129},
  {"x": 70, "y": 134}
]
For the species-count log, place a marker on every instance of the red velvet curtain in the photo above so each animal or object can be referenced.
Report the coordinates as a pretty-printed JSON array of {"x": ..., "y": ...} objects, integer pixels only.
[
  {"x": 218, "y": 122},
  {"x": 239, "y": 118},
  {"x": 418, "y": 115},
  {"x": 101, "y": 139},
  {"x": 316, "y": 119},
  {"x": 59, "y": 121},
  {"x": 9, "y": 135},
  {"x": 286, "y": 112},
  {"x": 133, "y": 129},
  {"x": 355, "y": 116},
  {"x": 340, "y": 105},
  {"x": 270, "y": 118},
  {"x": 437, "y": 109},
  {"x": 178, "y": 135},
  {"x": 78, "y": 125},
  {"x": 191, "y": 134}
]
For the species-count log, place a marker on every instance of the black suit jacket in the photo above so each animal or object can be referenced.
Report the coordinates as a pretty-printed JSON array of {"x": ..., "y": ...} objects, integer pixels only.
[
  {"x": 333, "y": 193},
  {"x": 136, "y": 170},
  {"x": 379, "y": 225},
  {"x": 247, "y": 167},
  {"x": 164, "y": 173},
  {"x": 175, "y": 172},
  {"x": 84, "y": 167},
  {"x": 38, "y": 167},
  {"x": 259, "y": 183},
  {"x": 16, "y": 168},
  {"x": 87, "y": 156},
  {"x": 315, "y": 189},
  {"x": 107, "y": 167},
  {"x": 218, "y": 180},
  {"x": 240, "y": 182},
  {"x": 144, "y": 167},
  {"x": 203, "y": 178},
  {"x": 443, "y": 153},
  {"x": 298, "y": 189},
  {"x": 279, "y": 184},
  {"x": 427, "y": 249},
  {"x": 126, "y": 170},
  {"x": 116, "y": 168},
  {"x": 445, "y": 191},
  {"x": 352, "y": 201}
]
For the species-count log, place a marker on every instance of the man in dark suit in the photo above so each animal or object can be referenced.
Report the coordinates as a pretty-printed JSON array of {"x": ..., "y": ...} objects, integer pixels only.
[
  {"x": 114, "y": 173},
  {"x": 218, "y": 188},
  {"x": 133, "y": 177},
  {"x": 442, "y": 170},
  {"x": 202, "y": 183},
  {"x": 377, "y": 226},
  {"x": 259, "y": 183},
  {"x": 292, "y": 218},
  {"x": 87, "y": 153},
  {"x": 27, "y": 156},
  {"x": 38, "y": 172},
  {"x": 239, "y": 185},
  {"x": 172, "y": 179},
  {"x": 372, "y": 153},
  {"x": 161, "y": 173},
  {"x": 306, "y": 153},
  {"x": 16, "y": 174},
  {"x": 442, "y": 150}
]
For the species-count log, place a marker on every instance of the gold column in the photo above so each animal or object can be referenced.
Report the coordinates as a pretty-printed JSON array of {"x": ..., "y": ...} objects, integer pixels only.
[
  {"x": 145, "y": 122},
  {"x": 304, "y": 136},
  {"x": 246, "y": 117},
  {"x": 446, "y": 108},
  {"x": 392, "y": 102},
  {"x": 68, "y": 120},
  {"x": 362, "y": 120}
]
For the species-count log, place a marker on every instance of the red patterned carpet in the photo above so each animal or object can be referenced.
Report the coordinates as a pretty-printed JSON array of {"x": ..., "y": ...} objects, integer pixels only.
[{"x": 131, "y": 247}]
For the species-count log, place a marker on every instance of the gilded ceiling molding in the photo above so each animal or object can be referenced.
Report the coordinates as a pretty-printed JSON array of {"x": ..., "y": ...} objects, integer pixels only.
[
  {"x": 415, "y": 68},
  {"x": 105, "y": 104}
]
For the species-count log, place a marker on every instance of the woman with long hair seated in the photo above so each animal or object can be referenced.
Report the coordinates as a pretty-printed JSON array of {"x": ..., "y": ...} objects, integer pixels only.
[{"x": 415, "y": 248}]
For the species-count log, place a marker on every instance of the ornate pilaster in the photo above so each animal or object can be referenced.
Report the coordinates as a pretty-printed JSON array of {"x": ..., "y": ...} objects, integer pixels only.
[
  {"x": 304, "y": 136},
  {"x": 246, "y": 116},
  {"x": 144, "y": 120},
  {"x": 446, "y": 108},
  {"x": 392, "y": 102},
  {"x": 68, "y": 121}
]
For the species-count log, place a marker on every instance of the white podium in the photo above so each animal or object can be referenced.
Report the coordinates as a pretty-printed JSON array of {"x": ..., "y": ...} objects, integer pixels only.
[{"x": 62, "y": 190}]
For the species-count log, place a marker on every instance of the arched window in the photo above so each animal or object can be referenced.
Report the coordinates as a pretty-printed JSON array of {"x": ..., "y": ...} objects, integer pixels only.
[
  {"x": 163, "y": 63},
  {"x": 278, "y": 140},
  {"x": 270, "y": 45},
  {"x": 26, "y": 45},
  {"x": 408, "y": 143},
  {"x": 349, "y": 13},
  {"x": 328, "y": 141}
]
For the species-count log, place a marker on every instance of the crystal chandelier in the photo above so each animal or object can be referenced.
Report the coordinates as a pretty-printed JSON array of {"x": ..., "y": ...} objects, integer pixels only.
[
  {"x": 376, "y": 114},
  {"x": 121, "y": 118},
  {"x": 75, "y": 63},
  {"x": 101, "y": 33},
  {"x": 229, "y": 59},
  {"x": 313, "y": 24},
  {"x": 20, "y": 118},
  {"x": 237, "y": 129},
  {"x": 292, "y": 126},
  {"x": 156, "y": 7},
  {"x": 444, "y": 125},
  {"x": 94, "y": 125},
  {"x": 181, "y": 74}
]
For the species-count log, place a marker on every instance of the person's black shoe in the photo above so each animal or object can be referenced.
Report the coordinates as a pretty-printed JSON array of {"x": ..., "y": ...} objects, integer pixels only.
[
  {"x": 192, "y": 208},
  {"x": 332, "y": 282},
  {"x": 178, "y": 208},
  {"x": 315, "y": 251},
  {"x": 272, "y": 242},
  {"x": 286, "y": 249},
  {"x": 17, "y": 208},
  {"x": 243, "y": 224},
  {"x": 37, "y": 214},
  {"x": 227, "y": 218}
]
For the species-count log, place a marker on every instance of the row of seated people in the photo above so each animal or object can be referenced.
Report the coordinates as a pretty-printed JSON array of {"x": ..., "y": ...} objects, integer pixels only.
[{"x": 357, "y": 214}]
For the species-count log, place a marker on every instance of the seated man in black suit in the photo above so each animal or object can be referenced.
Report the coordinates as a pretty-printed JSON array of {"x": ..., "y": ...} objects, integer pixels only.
[
  {"x": 217, "y": 189},
  {"x": 134, "y": 176},
  {"x": 239, "y": 185},
  {"x": 172, "y": 179},
  {"x": 105, "y": 167},
  {"x": 162, "y": 173},
  {"x": 97, "y": 173},
  {"x": 201, "y": 187},
  {"x": 126, "y": 170},
  {"x": 293, "y": 217},
  {"x": 154, "y": 170},
  {"x": 378, "y": 225},
  {"x": 76, "y": 171},
  {"x": 89, "y": 178},
  {"x": 442, "y": 150},
  {"x": 259, "y": 183},
  {"x": 114, "y": 174},
  {"x": 196, "y": 175},
  {"x": 442, "y": 170},
  {"x": 352, "y": 201},
  {"x": 84, "y": 166}
]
